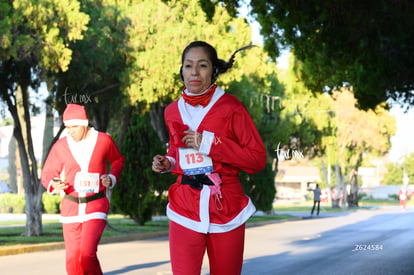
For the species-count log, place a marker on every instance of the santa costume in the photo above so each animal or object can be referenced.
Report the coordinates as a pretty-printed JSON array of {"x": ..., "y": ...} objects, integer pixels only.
[
  {"x": 403, "y": 196},
  {"x": 207, "y": 206},
  {"x": 84, "y": 209}
]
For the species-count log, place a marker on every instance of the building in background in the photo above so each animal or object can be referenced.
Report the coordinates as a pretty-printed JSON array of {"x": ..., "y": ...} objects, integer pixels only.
[{"x": 293, "y": 182}]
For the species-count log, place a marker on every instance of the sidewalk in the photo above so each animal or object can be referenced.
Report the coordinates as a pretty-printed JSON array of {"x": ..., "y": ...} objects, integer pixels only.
[
  {"x": 22, "y": 217},
  {"x": 29, "y": 248}
]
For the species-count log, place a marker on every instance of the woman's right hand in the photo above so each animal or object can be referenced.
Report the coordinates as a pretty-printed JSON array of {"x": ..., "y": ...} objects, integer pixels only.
[{"x": 160, "y": 164}]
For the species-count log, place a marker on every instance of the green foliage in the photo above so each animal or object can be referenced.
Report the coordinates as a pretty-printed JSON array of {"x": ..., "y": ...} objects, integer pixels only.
[
  {"x": 38, "y": 31},
  {"x": 51, "y": 203},
  {"x": 395, "y": 171},
  {"x": 339, "y": 42},
  {"x": 394, "y": 197},
  {"x": 365, "y": 44},
  {"x": 34, "y": 38},
  {"x": 153, "y": 74},
  {"x": 140, "y": 192},
  {"x": 15, "y": 203},
  {"x": 260, "y": 187},
  {"x": 101, "y": 59},
  {"x": 12, "y": 203}
]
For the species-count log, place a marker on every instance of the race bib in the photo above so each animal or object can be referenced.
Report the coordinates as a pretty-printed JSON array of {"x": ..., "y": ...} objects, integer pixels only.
[
  {"x": 87, "y": 182},
  {"x": 193, "y": 162}
]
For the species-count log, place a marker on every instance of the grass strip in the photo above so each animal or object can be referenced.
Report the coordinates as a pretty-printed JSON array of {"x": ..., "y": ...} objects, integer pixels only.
[{"x": 119, "y": 227}]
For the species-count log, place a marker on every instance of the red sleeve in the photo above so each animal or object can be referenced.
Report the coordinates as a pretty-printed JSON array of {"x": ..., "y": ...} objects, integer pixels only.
[
  {"x": 53, "y": 166},
  {"x": 246, "y": 151}
]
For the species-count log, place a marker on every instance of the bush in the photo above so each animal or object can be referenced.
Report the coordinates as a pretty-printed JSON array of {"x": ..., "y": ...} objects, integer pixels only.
[
  {"x": 12, "y": 203},
  {"x": 394, "y": 197},
  {"x": 260, "y": 187},
  {"x": 51, "y": 203},
  {"x": 141, "y": 192},
  {"x": 15, "y": 203},
  {"x": 362, "y": 196}
]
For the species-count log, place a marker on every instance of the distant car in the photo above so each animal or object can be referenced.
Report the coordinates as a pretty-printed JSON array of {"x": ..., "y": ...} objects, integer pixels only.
[{"x": 4, "y": 188}]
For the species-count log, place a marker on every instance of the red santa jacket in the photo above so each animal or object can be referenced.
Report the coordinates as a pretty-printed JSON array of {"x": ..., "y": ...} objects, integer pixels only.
[
  {"x": 90, "y": 155},
  {"x": 231, "y": 140}
]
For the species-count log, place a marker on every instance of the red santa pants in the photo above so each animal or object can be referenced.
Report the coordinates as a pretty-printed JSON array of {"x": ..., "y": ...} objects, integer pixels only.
[
  {"x": 81, "y": 243},
  {"x": 403, "y": 203},
  {"x": 187, "y": 248}
]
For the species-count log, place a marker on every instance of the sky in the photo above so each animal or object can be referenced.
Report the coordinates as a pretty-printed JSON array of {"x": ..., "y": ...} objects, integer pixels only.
[{"x": 402, "y": 141}]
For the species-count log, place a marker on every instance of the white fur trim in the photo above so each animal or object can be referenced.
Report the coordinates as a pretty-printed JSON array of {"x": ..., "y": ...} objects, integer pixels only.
[
  {"x": 83, "y": 149},
  {"x": 76, "y": 122},
  {"x": 83, "y": 218},
  {"x": 204, "y": 226},
  {"x": 113, "y": 181},
  {"x": 243, "y": 216}
]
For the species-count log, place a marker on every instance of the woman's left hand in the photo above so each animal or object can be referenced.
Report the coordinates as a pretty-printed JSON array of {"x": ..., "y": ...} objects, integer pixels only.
[{"x": 192, "y": 139}]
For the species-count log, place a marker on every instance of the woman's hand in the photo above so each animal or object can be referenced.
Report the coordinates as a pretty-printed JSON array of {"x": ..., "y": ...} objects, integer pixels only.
[
  {"x": 192, "y": 139},
  {"x": 160, "y": 164}
]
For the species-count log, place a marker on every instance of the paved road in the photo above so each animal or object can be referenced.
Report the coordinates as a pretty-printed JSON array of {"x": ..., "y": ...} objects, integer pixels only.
[{"x": 365, "y": 242}]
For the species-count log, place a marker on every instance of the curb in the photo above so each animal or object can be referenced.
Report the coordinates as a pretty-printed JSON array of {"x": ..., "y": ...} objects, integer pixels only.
[{"x": 29, "y": 248}]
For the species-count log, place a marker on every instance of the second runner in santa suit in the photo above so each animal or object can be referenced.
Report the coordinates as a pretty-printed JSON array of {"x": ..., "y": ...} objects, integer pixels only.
[
  {"x": 212, "y": 138},
  {"x": 77, "y": 167}
]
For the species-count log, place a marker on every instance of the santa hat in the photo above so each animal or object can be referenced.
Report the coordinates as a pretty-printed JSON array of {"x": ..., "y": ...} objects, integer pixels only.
[{"x": 75, "y": 115}]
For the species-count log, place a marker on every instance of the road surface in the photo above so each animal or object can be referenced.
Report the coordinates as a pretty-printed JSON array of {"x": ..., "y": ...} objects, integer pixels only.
[{"x": 366, "y": 242}]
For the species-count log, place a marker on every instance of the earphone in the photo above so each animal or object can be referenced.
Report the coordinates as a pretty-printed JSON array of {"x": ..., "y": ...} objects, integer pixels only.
[
  {"x": 213, "y": 76},
  {"x": 181, "y": 74}
]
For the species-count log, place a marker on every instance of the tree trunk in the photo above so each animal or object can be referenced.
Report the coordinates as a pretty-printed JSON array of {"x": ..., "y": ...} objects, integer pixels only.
[
  {"x": 353, "y": 195},
  {"x": 12, "y": 165},
  {"x": 338, "y": 202},
  {"x": 48, "y": 130},
  {"x": 157, "y": 122},
  {"x": 31, "y": 182},
  {"x": 326, "y": 169},
  {"x": 124, "y": 129},
  {"x": 33, "y": 195}
]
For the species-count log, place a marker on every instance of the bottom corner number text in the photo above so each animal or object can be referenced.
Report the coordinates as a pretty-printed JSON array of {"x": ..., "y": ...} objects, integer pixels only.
[{"x": 371, "y": 247}]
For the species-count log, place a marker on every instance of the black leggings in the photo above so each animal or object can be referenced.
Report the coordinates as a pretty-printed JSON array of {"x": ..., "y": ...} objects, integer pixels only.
[{"x": 313, "y": 208}]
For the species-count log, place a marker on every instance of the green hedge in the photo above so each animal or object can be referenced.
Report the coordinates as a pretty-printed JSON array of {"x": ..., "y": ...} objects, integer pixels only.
[
  {"x": 51, "y": 203},
  {"x": 14, "y": 203}
]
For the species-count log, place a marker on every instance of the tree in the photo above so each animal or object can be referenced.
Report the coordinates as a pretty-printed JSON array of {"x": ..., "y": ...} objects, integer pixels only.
[
  {"x": 152, "y": 77},
  {"x": 343, "y": 136},
  {"x": 365, "y": 45},
  {"x": 99, "y": 61},
  {"x": 358, "y": 134},
  {"x": 395, "y": 171},
  {"x": 153, "y": 74},
  {"x": 260, "y": 91},
  {"x": 141, "y": 191},
  {"x": 33, "y": 39}
]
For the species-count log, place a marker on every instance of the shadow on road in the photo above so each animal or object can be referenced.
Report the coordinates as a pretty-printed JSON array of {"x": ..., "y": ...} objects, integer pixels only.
[
  {"x": 135, "y": 268},
  {"x": 381, "y": 245}
]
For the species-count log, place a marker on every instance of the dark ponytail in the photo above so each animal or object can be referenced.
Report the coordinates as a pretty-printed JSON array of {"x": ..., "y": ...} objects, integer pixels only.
[
  {"x": 219, "y": 66},
  {"x": 224, "y": 66}
]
